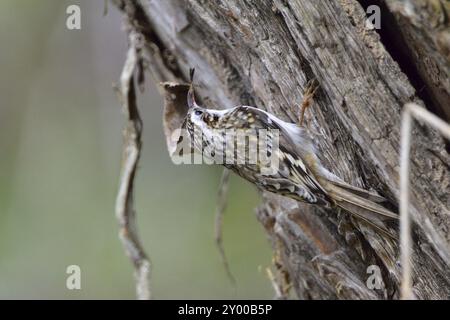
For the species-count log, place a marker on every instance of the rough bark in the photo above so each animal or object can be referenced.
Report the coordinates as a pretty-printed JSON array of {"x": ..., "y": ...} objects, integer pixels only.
[
  {"x": 263, "y": 53},
  {"x": 417, "y": 34}
]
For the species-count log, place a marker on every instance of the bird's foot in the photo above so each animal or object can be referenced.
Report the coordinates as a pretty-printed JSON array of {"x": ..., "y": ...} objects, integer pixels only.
[{"x": 311, "y": 88}]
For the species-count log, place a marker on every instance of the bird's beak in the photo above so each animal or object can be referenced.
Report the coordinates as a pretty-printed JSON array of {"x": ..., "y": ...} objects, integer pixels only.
[{"x": 191, "y": 95}]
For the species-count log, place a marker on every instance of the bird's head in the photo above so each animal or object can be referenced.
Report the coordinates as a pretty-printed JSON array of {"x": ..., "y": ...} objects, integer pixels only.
[{"x": 202, "y": 118}]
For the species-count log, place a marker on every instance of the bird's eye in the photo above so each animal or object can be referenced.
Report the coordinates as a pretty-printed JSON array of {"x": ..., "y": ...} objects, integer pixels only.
[{"x": 198, "y": 112}]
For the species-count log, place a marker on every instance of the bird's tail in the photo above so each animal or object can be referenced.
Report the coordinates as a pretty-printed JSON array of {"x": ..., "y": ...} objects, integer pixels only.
[{"x": 360, "y": 203}]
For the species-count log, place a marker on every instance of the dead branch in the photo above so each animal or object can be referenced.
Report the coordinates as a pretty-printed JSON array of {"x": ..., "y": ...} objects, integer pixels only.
[
  {"x": 220, "y": 210},
  {"x": 125, "y": 212},
  {"x": 410, "y": 111}
]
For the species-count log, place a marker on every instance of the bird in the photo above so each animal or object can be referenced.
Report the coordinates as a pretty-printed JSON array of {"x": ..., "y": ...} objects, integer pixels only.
[{"x": 298, "y": 172}]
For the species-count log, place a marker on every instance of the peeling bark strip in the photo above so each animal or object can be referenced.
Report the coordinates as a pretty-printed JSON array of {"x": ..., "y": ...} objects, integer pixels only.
[
  {"x": 263, "y": 53},
  {"x": 125, "y": 213}
]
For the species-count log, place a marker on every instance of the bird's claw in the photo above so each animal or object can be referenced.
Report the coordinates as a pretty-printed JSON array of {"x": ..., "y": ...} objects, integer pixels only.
[{"x": 311, "y": 88}]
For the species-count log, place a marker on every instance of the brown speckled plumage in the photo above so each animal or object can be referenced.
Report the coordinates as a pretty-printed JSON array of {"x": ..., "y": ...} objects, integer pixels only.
[{"x": 299, "y": 173}]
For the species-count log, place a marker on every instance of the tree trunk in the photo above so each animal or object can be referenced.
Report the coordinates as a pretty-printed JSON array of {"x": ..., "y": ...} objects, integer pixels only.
[{"x": 262, "y": 53}]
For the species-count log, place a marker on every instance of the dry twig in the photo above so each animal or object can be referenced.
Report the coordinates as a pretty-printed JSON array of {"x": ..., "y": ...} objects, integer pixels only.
[
  {"x": 220, "y": 210},
  {"x": 125, "y": 213},
  {"x": 411, "y": 110}
]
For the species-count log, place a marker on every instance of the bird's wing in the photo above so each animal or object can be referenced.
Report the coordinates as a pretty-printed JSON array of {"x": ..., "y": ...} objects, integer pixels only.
[
  {"x": 291, "y": 140},
  {"x": 295, "y": 145}
]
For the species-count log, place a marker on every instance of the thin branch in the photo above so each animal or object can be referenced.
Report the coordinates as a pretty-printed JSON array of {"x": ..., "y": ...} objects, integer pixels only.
[
  {"x": 405, "y": 227},
  {"x": 279, "y": 295},
  {"x": 125, "y": 213},
  {"x": 411, "y": 110},
  {"x": 220, "y": 210},
  {"x": 422, "y": 114}
]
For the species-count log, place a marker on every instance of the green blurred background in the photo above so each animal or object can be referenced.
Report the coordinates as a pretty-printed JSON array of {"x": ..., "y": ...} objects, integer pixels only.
[{"x": 60, "y": 150}]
